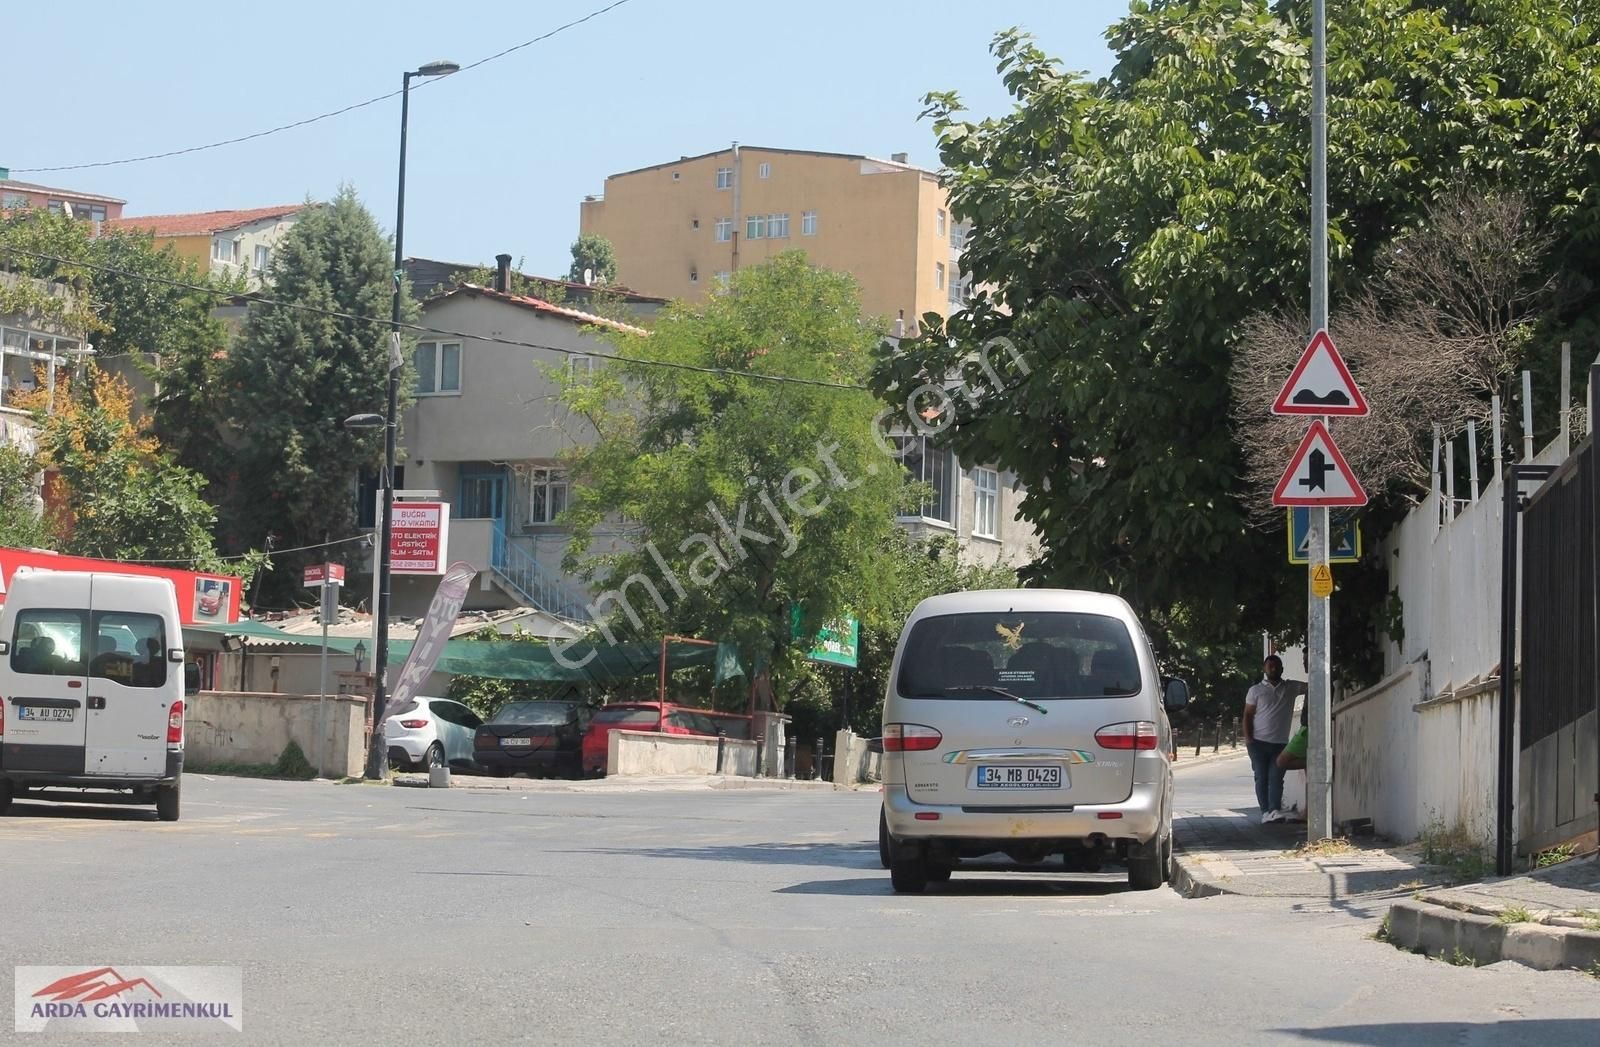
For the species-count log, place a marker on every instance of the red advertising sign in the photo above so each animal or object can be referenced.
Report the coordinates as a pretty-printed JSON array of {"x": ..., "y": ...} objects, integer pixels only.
[
  {"x": 324, "y": 573},
  {"x": 419, "y": 540},
  {"x": 203, "y": 599}
]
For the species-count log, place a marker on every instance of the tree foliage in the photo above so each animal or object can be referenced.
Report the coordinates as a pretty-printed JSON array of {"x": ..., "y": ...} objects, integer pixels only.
[
  {"x": 295, "y": 373},
  {"x": 22, "y": 524},
  {"x": 1123, "y": 229},
  {"x": 746, "y": 496},
  {"x": 123, "y": 497},
  {"x": 593, "y": 253}
]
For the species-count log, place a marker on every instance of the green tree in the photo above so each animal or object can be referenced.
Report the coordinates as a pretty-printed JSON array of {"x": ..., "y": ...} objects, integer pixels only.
[
  {"x": 296, "y": 373},
  {"x": 21, "y": 525},
  {"x": 747, "y": 496},
  {"x": 1124, "y": 228},
  {"x": 594, "y": 254},
  {"x": 125, "y": 499}
]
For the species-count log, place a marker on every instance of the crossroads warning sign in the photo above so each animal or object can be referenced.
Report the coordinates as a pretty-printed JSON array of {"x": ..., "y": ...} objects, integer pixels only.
[{"x": 1318, "y": 474}]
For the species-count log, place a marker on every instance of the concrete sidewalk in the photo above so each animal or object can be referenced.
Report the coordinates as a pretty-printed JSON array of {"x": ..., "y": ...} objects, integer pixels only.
[
  {"x": 1547, "y": 919},
  {"x": 598, "y": 786},
  {"x": 1221, "y": 847}
]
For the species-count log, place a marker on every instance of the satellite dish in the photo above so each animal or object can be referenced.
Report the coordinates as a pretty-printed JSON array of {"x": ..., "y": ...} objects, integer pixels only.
[{"x": 588, "y": 277}]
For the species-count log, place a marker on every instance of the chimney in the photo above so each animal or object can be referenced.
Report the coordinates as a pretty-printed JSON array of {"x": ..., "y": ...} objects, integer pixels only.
[
  {"x": 502, "y": 273},
  {"x": 900, "y": 158}
]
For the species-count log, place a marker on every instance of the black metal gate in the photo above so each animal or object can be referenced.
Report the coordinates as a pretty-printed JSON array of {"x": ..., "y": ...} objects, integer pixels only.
[{"x": 1558, "y": 781}]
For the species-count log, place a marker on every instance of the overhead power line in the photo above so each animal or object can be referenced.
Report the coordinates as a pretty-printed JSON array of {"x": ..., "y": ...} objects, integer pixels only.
[
  {"x": 320, "y": 116},
  {"x": 269, "y": 552},
  {"x": 388, "y": 324}
]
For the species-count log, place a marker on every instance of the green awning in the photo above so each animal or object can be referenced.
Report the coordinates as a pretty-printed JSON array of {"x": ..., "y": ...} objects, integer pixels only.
[{"x": 581, "y": 661}]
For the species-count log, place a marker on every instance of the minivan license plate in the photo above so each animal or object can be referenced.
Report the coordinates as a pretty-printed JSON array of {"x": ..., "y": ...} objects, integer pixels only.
[
  {"x": 44, "y": 712},
  {"x": 1019, "y": 777}
]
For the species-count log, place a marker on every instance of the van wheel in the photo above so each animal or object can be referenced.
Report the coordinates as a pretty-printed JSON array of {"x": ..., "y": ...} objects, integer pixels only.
[
  {"x": 908, "y": 875},
  {"x": 883, "y": 837},
  {"x": 1148, "y": 873},
  {"x": 167, "y": 803},
  {"x": 941, "y": 872},
  {"x": 5, "y": 796}
]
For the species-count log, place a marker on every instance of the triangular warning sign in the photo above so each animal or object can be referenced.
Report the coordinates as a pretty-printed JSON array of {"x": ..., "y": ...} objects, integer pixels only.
[
  {"x": 1321, "y": 384},
  {"x": 1318, "y": 474}
]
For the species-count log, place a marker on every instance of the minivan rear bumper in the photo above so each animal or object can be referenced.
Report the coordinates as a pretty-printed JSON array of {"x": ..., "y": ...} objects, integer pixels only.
[
  {"x": 1138, "y": 819},
  {"x": 170, "y": 776}
]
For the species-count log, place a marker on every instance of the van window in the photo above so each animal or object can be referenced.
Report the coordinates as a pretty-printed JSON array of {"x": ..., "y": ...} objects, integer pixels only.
[
  {"x": 1032, "y": 654},
  {"x": 130, "y": 649},
  {"x": 48, "y": 642}
]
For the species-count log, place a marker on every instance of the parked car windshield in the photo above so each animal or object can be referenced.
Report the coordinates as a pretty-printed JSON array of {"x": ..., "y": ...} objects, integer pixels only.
[
  {"x": 1031, "y": 654},
  {"x": 538, "y": 714},
  {"x": 627, "y": 716}
]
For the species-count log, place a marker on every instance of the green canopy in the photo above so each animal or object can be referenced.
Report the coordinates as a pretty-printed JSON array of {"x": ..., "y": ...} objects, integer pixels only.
[{"x": 580, "y": 661}]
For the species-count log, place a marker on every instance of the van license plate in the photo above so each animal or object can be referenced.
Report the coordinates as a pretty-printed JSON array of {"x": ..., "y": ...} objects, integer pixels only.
[
  {"x": 1019, "y": 778},
  {"x": 43, "y": 712}
]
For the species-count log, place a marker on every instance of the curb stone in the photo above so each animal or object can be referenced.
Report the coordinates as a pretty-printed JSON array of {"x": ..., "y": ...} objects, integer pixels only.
[
  {"x": 1439, "y": 930},
  {"x": 1190, "y": 883}
]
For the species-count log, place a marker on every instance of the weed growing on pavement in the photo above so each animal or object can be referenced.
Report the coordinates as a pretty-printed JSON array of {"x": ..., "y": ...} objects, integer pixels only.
[
  {"x": 1455, "y": 849},
  {"x": 1590, "y": 918},
  {"x": 1458, "y": 958},
  {"x": 1322, "y": 849},
  {"x": 1593, "y": 970},
  {"x": 1383, "y": 933},
  {"x": 1413, "y": 885},
  {"x": 1515, "y": 914},
  {"x": 1555, "y": 855}
]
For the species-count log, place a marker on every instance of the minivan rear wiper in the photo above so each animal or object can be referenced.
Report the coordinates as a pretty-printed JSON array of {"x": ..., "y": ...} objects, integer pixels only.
[{"x": 1002, "y": 692}]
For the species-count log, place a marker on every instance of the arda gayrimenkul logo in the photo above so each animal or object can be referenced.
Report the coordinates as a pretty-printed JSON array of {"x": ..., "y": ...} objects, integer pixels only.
[{"x": 129, "y": 999}]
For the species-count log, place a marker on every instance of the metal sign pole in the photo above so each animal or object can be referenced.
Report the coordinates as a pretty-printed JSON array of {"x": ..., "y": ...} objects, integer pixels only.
[
  {"x": 329, "y": 596},
  {"x": 1319, "y": 777}
]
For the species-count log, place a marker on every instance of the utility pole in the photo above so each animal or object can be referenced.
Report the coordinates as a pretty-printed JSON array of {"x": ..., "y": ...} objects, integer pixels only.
[{"x": 1319, "y": 777}]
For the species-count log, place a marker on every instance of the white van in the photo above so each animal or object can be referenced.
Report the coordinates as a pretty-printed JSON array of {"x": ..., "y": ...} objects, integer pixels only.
[
  {"x": 92, "y": 687},
  {"x": 1030, "y": 722}
]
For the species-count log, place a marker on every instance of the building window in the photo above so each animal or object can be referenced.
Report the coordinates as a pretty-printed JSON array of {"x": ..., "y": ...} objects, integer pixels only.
[
  {"x": 958, "y": 237},
  {"x": 723, "y": 279},
  {"x": 724, "y": 230},
  {"x": 986, "y": 503},
  {"x": 56, "y": 206},
  {"x": 482, "y": 496},
  {"x": 765, "y": 171},
  {"x": 941, "y": 223},
  {"x": 694, "y": 275},
  {"x": 694, "y": 223},
  {"x": 958, "y": 289},
  {"x": 438, "y": 368},
  {"x": 674, "y": 176},
  {"x": 755, "y": 227},
  {"x": 929, "y": 465},
  {"x": 263, "y": 258},
  {"x": 808, "y": 223},
  {"x": 579, "y": 364},
  {"x": 724, "y": 178},
  {"x": 10, "y": 200},
  {"x": 938, "y": 275},
  {"x": 778, "y": 226},
  {"x": 547, "y": 495},
  {"x": 223, "y": 249}
]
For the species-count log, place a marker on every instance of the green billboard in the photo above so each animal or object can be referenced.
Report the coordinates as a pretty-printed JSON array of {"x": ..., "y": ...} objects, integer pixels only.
[{"x": 836, "y": 643}]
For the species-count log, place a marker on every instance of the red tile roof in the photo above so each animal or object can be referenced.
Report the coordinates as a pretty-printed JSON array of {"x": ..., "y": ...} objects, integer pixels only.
[
  {"x": 541, "y": 306},
  {"x": 203, "y": 223}
]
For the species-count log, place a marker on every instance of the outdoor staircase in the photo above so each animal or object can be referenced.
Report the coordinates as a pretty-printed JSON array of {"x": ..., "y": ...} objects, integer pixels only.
[{"x": 520, "y": 574}]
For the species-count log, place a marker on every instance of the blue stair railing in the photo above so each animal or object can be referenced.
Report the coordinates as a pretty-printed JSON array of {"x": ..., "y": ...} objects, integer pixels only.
[{"x": 541, "y": 588}]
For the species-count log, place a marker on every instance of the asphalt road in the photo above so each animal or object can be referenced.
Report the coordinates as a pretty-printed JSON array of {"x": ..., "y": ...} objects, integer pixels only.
[{"x": 402, "y": 916}]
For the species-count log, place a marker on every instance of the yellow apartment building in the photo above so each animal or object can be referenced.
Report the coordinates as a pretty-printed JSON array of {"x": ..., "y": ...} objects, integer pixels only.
[
  {"x": 681, "y": 228},
  {"x": 228, "y": 243}
]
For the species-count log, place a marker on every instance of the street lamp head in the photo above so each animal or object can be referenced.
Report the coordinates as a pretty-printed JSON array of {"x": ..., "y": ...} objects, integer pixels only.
[
  {"x": 441, "y": 68},
  {"x": 364, "y": 421}
]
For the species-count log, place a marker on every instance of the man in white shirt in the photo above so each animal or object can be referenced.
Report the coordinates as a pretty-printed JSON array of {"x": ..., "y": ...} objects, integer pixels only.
[{"x": 1268, "y": 720}]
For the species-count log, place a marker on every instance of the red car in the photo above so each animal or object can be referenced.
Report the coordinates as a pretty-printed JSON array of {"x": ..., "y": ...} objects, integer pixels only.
[{"x": 648, "y": 716}]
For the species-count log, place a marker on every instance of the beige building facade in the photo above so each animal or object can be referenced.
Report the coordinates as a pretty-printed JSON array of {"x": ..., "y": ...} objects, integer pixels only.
[{"x": 680, "y": 229}]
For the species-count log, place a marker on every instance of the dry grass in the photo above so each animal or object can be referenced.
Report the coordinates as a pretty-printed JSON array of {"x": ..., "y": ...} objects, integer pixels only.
[{"x": 1322, "y": 849}]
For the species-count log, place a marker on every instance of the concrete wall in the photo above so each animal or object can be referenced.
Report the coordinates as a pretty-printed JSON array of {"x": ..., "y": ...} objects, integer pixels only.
[
  {"x": 1375, "y": 771},
  {"x": 642, "y": 753},
  {"x": 238, "y": 727},
  {"x": 1457, "y": 760},
  {"x": 852, "y": 761}
]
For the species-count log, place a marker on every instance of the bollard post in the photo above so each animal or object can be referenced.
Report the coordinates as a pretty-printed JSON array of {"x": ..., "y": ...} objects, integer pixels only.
[
  {"x": 722, "y": 745},
  {"x": 816, "y": 759},
  {"x": 1216, "y": 738},
  {"x": 761, "y": 746}
]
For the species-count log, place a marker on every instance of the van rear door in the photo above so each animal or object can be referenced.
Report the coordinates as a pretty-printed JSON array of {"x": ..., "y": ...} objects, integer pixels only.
[
  {"x": 44, "y": 691},
  {"x": 131, "y": 685}
]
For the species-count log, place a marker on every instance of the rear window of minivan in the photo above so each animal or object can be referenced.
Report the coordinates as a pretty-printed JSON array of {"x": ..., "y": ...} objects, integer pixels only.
[{"x": 1031, "y": 654}]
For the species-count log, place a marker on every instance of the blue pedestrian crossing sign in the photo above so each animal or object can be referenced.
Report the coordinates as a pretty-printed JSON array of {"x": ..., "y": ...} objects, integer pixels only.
[{"x": 1343, "y": 547}]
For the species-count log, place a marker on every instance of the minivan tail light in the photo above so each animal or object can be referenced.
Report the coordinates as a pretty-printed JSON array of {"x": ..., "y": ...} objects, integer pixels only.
[
  {"x": 910, "y": 738},
  {"x": 1140, "y": 734},
  {"x": 175, "y": 724}
]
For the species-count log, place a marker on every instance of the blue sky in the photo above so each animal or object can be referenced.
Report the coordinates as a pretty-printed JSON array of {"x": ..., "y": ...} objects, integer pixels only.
[{"x": 500, "y": 155}]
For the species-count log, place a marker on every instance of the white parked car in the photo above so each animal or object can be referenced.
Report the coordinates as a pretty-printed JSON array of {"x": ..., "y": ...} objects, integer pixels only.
[{"x": 430, "y": 732}]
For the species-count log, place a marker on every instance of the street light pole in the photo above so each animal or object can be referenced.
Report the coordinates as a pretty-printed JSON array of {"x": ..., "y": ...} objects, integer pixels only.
[{"x": 376, "y": 754}]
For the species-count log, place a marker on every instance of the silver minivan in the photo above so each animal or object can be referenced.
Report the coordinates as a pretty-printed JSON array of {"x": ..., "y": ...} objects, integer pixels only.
[
  {"x": 92, "y": 687},
  {"x": 1028, "y": 722}
]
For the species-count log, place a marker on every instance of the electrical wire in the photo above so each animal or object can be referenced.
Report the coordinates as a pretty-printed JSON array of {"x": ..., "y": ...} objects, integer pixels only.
[
  {"x": 269, "y": 552},
  {"x": 442, "y": 332},
  {"x": 321, "y": 116}
]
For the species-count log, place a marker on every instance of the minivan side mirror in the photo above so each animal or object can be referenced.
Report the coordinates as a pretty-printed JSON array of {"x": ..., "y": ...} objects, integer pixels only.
[
  {"x": 1175, "y": 695},
  {"x": 191, "y": 678}
]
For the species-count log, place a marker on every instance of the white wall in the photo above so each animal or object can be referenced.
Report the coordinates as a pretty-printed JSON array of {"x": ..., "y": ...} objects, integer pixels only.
[
  {"x": 643, "y": 753},
  {"x": 1375, "y": 770}
]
